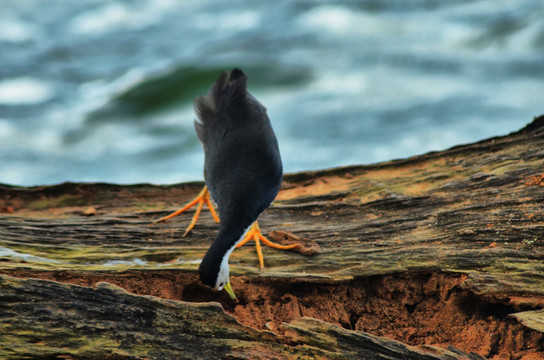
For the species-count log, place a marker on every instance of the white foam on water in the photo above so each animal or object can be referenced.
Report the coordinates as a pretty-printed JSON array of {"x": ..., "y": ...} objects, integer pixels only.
[
  {"x": 337, "y": 19},
  {"x": 118, "y": 16},
  {"x": 15, "y": 31},
  {"x": 228, "y": 21},
  {"x": 25, "y": 91}
]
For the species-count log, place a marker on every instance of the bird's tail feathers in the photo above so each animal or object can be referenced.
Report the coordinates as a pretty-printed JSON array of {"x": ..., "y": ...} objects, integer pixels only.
[{"x": 230, "y": 89}]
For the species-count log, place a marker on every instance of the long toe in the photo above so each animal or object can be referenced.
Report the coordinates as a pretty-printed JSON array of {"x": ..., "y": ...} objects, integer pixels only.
[
  {"x": 255, "y": 234},
  {"x": 200, "y": 199}
]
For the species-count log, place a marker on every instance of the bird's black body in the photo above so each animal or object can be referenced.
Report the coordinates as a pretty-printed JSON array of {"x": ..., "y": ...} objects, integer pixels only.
[{"x": 242, "y": 169}]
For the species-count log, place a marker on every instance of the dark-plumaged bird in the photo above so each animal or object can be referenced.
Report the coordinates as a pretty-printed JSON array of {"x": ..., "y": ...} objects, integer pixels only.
[{"x": 242, "y": 170}]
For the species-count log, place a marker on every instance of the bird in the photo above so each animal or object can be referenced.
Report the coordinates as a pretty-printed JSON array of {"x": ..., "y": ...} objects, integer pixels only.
[{"x": 242, "y": 170}]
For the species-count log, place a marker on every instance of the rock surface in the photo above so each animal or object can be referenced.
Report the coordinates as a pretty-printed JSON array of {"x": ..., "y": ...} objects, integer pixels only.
[{"x": 442, "y": 249}]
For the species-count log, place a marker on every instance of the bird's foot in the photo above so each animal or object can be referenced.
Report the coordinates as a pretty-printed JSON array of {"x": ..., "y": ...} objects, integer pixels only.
[
  {"x": 254, "y": 233},
  {"x": 202, "y": 197}
]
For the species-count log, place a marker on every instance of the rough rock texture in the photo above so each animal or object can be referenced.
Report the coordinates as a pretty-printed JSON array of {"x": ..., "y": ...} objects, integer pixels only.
[
  {"x": 443, "y": 249},
  {"x": 46, "y": 319}
]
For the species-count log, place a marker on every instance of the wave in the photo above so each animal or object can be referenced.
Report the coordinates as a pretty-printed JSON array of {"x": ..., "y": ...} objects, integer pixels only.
[{"x": 178, "y": 86}]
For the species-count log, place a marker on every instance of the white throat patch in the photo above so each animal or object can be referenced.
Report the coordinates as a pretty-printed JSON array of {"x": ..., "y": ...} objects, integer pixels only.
[{"x": 223, "y": 276}]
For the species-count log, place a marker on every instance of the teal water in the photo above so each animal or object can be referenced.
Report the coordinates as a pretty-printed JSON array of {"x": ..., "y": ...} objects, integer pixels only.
[{"x": 102, "y": 90}]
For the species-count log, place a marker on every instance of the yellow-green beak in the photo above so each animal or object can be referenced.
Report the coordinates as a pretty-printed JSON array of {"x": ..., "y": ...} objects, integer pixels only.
[{"x": 229, "y": 291}]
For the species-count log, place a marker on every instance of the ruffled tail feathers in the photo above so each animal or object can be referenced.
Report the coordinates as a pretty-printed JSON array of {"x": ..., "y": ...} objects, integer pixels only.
[{"x": 229, "y": 89}]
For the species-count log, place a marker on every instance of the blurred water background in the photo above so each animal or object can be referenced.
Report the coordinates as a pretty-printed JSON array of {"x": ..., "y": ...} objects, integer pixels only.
[{"x": 102, "y": 90}]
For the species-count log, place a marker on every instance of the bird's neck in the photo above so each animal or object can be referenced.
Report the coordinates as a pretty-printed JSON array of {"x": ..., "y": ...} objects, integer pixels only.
[{"x": 226, "y": 241}]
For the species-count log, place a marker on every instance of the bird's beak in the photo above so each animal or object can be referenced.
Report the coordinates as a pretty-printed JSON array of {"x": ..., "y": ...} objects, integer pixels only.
[{"x": 229, "y": 291}]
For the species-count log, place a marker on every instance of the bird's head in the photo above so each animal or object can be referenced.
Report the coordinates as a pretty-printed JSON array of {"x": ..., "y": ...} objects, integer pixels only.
[{"x": 214, "y": 272}]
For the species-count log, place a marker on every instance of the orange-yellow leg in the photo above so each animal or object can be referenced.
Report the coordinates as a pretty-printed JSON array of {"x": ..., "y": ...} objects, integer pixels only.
[
  {"x": 202, "y": 197},
  {"x": 254, "y": 233}
]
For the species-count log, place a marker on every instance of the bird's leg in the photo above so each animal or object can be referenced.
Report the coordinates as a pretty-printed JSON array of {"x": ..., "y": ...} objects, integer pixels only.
[
  {"x": 202, "y": 197},
  {"x": 254, "y": 233}
]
